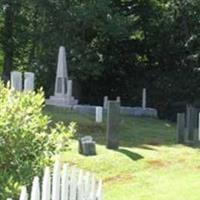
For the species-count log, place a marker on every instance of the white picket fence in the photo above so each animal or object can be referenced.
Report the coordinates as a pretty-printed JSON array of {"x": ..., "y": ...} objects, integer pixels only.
[{"x": 68, "y": 183}]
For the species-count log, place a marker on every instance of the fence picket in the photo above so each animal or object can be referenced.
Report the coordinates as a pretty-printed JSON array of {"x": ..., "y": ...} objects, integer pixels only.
[
  {"x": 99, "y": 191},
  {"x": 65, "y": 183},
  {"x": 71, "y": 184},
  {"x": 80, "y": 185},
  {"x": 24, "y": 194},
  {"x": 87, "y": 185},
  {"x": 93, "y": 187},
  {"x": 35, "y": 193},
  {"x": 56, "y": 182},
  {"x": 46, "y": 185}
]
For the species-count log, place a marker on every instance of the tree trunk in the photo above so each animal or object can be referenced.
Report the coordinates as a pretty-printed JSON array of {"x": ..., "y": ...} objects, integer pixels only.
[{"x": 8, "y": 43}]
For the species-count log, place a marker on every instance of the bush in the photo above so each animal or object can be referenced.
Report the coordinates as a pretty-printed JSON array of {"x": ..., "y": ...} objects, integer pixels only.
[{"x": 26, "y": 141}]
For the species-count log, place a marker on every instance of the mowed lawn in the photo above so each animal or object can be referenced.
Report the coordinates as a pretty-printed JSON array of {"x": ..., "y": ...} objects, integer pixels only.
[{"x": 147, "y": 166}]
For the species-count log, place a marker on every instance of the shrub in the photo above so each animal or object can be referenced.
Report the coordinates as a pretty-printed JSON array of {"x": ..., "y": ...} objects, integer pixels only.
[{"x": 26, "y": 140}]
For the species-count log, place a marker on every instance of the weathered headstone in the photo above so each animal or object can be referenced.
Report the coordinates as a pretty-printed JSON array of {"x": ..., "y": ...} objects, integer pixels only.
[
  {"x": 195, "y": 117},
  {"x": 190, "y": 122},
  {"x": 29, "y": 78},
  {"x": 105, "y": 102},
  {"x": 118, "y": 99},
  {"x": 199, "y": 128},
  {"x": 144, "y": 98},
  {"x": 195, "y": 112},
  {"x": 16, "y": 80},
  {"x": 69, "y": 88},
  {"x": 99, "y": 114},
  {"x": 87, "y": 146},
  {"x": 113, "y": 120},
  {"x": 180, "y": 128}
]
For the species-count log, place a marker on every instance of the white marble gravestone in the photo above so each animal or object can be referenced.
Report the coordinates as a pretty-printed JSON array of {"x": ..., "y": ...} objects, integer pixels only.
[
  {"x": 63, "y": 87},
  {"x": 99, "y": 114},
  {"x": 29, "y": 79},
  {"x": 16, "y": 80}
]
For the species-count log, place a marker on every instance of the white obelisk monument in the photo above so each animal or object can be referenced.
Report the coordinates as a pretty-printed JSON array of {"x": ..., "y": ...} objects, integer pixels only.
[{"x": 63, "y": 87}]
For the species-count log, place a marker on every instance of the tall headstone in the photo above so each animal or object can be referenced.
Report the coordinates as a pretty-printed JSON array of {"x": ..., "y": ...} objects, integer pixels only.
[
  {"x": 199, "y": 128},
  {"x": 190, "y": 122},
  {"x": 144, "y": 98},
  {"x": 180, "y": 128},
  {"x": 105, "y": 102},
  {"x": 16, "y": 80},
  {"x": 113, "y": 120},
  {"x": 63, "y": 87},
  {"x": 99, "y": 114},
  {"x": 69, "y": 88},
  {"x": 29, "y": 79}
]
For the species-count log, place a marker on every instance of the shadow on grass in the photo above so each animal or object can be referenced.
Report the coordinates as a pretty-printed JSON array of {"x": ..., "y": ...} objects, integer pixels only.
[{"x": 130, "y": 154}]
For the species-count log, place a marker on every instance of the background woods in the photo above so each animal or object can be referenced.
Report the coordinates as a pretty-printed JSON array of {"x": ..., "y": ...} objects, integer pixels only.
[{"x": 114, "y": 47}]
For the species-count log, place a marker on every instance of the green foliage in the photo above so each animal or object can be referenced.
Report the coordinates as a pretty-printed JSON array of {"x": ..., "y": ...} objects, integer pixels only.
[
  {"x": 114, "y": 47},
  {"x": 27, "y": 142}
]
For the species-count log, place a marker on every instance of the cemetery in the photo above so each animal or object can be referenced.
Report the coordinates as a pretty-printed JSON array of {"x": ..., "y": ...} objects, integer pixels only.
[
  {"x": 118, "y": 145},
  {"x": 99, "y": 100}
]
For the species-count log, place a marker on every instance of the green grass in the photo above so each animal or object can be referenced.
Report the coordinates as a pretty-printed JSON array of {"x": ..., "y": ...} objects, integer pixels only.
[{"x": 147, "y": 166}]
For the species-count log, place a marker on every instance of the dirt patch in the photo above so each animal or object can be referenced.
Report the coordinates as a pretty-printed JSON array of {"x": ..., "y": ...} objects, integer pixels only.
[
  {"x": 182, "y": 160},
  {"x": 158, "y": 163},
  {"x": 198, "y": 167},
  {"x": 124, "y": 178}
]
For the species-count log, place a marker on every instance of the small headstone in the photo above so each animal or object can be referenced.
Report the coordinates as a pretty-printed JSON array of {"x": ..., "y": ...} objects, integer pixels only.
[
  {"x": 99, "y": 114},
  {"x": 16, "y": 80},
  {"x": 180, "y": 128},
  {"x": 144, "y": 98},
  {"x": 113, "y": 120},
  {"x": 118, "y": 99},
  {"x": 105, "y": 102},
  {"x": 29, "y": 78},
  {"x": 87, "y": 146}
]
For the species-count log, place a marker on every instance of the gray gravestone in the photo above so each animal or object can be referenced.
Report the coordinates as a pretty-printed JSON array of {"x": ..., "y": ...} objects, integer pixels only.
[
  {"x": 105, "y": 102},
  {"x": 29, "y": 78},
  {"x": 16, "y": 80},
  {"x": 87, "y": 146},
  {"x": 190, "y": 122},
  {"x": 180, "y": 128},
  {"x": 144, "y": 98},
  {"x": 113, "y": 120}
]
